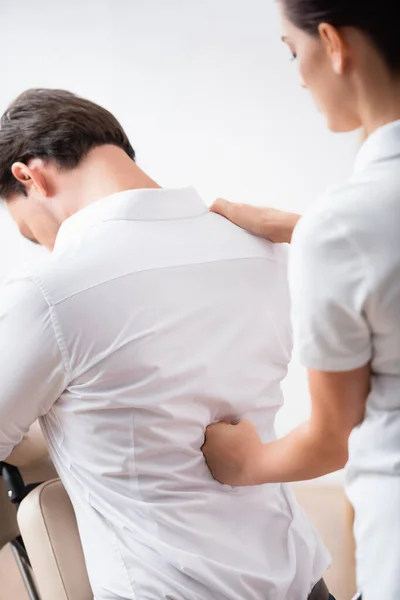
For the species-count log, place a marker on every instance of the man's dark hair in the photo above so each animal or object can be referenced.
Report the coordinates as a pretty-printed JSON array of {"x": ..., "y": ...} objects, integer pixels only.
[
  {"x": 379, "y": 19},
  {"x": 53, "y": 125}
]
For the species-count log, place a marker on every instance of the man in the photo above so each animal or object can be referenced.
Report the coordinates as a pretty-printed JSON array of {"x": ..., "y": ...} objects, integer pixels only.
[{"x": 151, "y": 318}]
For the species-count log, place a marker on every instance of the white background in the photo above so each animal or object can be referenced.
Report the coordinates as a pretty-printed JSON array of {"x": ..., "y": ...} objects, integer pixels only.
[{"x": 206, "y": 92}]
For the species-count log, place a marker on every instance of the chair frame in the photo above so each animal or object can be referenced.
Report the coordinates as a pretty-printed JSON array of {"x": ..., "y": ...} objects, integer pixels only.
[{"x": 17, "y": 491}]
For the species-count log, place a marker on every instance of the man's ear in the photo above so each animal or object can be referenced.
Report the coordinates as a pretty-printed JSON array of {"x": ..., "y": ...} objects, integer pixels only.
[
  {"x": 335, "y": 45},
  {"x": 31, "y": 178}
]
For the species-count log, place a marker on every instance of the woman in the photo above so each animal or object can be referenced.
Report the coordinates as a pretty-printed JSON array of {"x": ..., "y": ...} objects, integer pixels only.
[{"x": 345, "y": 284}]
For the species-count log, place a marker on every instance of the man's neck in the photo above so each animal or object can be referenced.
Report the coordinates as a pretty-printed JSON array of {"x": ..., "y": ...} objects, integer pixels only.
[{"x": 107, "y": 170}]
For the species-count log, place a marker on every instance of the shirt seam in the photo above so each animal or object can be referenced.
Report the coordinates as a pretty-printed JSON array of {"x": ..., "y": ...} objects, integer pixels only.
[
  {"x": 55, "y": 325},
  {"x": 282, "y": 264}
]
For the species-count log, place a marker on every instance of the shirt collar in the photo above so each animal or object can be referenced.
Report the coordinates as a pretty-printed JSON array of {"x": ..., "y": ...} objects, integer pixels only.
[
  {"x": 383, "y": 144},
  {"x": 133, "y": 205}
]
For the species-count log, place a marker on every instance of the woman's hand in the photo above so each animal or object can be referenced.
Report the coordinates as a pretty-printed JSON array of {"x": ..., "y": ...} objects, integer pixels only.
[
  {"x": 269, "y": 223},
  {"x": 233, "y": 453},
  {"x": 236, "y": 456}
]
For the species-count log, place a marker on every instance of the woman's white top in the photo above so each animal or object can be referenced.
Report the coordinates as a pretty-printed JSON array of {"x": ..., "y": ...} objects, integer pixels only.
[{"x": 345, "y": 283}]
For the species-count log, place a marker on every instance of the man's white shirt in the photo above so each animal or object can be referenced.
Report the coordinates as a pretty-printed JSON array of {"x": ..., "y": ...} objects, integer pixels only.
[{"x": 151, "y": 319}]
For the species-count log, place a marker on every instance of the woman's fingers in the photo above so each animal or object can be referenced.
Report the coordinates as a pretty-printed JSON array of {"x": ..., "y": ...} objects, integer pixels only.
[
  {"x": 246, "y": 216},
  {"x": 232, "y": 453},
  {"x": 269, "y": 223},
  {"x": 220, "y": 206}
]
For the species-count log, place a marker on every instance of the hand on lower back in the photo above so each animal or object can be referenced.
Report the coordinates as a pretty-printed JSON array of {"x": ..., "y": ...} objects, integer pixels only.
[
  {"x": 269, "y": 223},
  {"x": 233, "y": 453}
]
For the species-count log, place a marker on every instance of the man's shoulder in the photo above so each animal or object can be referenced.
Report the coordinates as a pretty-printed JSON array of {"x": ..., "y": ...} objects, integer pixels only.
[
  {"x": 22, "y": 291},
  {"x": 89, "y": 263},
  {"x": 49, "y": 277},
  {"x": 238, "y": 238}
]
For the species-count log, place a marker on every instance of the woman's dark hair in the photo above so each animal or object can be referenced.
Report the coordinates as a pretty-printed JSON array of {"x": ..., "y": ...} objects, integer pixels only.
[
  {"x": 379, "y": 19},
  {"x": 54, "y": 125}
]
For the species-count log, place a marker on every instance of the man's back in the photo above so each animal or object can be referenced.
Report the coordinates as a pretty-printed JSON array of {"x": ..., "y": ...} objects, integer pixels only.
[{"x": 170, "y": 318}]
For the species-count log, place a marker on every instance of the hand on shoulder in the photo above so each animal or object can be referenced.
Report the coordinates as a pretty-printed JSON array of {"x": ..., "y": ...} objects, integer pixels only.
[{"x": 269, "y": 223}]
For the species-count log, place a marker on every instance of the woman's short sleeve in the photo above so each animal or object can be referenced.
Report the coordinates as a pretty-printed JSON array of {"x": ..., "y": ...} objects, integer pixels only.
[{"x": 329, "y": 284}]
